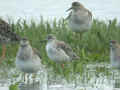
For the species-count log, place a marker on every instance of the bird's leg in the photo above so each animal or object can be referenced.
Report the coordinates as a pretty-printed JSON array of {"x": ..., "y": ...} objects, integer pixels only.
[
  {"x": 33, "y": 77},
  {"x": 56, "y": 67},
  {"x": 3, "y": 51},
  {"x": 28, "y": 79},
  {"x": 62, "y": 65},
  {"x": 24, "y": 77}
]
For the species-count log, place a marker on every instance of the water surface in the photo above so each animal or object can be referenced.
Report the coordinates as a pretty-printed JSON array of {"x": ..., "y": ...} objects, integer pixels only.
[{"x": 94, "y": 77}]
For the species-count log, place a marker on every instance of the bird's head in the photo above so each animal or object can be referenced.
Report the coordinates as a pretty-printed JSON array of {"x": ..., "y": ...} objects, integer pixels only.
[
  {"x": 114, "y": 44},
  {"x": 24, "y": 42},
  {"x": 75, "y": 6},
  {"x": 49, "y": 37}
]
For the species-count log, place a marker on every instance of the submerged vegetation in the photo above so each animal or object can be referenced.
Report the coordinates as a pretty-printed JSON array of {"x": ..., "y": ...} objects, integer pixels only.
[{"x": 92, "y": 48}]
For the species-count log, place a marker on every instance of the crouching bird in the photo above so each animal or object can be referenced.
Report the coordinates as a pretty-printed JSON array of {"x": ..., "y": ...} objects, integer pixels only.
[{"x": 59, "y": 51}]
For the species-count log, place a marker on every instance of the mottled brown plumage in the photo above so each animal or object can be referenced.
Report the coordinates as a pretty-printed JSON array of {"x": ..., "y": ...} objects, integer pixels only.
[
  {"x": 79, "y": 18},
  {"x": 59, "y": 51},
  {"x": 6, "y": 33},
  {"x": 37, "y": 52},
  {"x": 68, "y": 50},
  {"x": 6, "y": 36}
]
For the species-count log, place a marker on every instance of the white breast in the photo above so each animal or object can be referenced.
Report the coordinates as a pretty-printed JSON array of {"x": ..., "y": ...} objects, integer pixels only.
[
  {"x": 28, "y": 66},
  {"x": 80, "y": 21},
  {"x": 55, "y": 54},
  {"x": 114, "y": 59},
  {"x": 26, "y": 61}
]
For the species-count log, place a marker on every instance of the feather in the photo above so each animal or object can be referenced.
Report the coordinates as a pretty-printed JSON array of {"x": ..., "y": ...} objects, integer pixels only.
[
  {"x": 6, "y": 32},
  {"x": 36, "y": 52},
  {"x": 68, "y": 50}
]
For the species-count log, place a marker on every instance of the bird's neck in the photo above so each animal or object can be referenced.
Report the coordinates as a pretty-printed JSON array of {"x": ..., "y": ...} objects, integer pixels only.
[
  {"x": 51, "y": 44},
  {"x": 76, "y": 10},
  {"x": 25, "y": 52},
  {"x": 51, "y": 41}
]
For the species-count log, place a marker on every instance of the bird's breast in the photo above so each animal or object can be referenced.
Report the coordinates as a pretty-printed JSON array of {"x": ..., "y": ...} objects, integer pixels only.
[
  {"x": 56, "y": 54},
  {"x": 50, "y": 48},
  {"x": 80, "y": 17},
  {"x": 24, "y": 53},
  {"x": 27, "y": 66}
]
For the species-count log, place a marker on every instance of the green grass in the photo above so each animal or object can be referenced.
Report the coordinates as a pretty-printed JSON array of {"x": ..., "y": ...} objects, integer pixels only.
[
  {"x": 14, "y": 87},
  {"x": 94, "y": 46}
]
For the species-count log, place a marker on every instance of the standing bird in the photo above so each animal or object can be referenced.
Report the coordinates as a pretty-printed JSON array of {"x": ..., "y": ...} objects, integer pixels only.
[
  {"x": 79, "y": 19},
  {"x": 28, "y": 60},
  {"x": 115, "y": 54},
  {"x": 59, "y": 51},
  {"x": 6, "y": 36}
]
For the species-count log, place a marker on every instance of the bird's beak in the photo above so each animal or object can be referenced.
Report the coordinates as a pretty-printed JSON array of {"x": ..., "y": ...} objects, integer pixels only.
[{"x": 69, "y": 9}]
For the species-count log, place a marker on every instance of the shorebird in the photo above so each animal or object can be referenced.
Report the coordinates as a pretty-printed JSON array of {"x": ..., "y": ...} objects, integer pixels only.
[
  {"x": 59, "y": 51},
  {"x": 6, "y": 36},
  {"x": 79, "y": 19},
  {"x": 28, "y": 59},
  {"x": 115, "y": 54}
]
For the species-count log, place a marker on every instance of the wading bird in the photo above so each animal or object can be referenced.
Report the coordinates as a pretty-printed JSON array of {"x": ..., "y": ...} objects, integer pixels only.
[
  {"x": 59, "y": 51},
  {"x": 28, "y": 59},
  {"x": 115, "y": 54},
  {"x": 79, "y": 19}
]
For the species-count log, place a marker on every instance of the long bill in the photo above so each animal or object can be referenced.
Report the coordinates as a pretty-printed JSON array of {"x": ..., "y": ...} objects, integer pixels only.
[{"x": 69, "y": 9}]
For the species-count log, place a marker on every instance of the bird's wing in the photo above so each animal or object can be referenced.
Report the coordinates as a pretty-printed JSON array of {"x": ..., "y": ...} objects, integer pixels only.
[
  {"x": 67, "y": 49},
  {"x": 36, "y": 52},
  {"x": 90, "y": 14},
  {"x": 68, "y": 17}
]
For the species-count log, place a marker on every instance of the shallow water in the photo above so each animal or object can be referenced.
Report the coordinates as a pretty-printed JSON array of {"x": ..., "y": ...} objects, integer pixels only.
[
  {"x": 102, "y": 9},
  {"x": 95, "y": 77}
]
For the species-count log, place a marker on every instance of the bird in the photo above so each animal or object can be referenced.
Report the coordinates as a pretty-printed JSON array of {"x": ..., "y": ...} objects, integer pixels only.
[
  {"x": 7, "y": 36},
  {"x": 115, "y": 54},
  {"x": 28, "y": 59},
  {"x": 79, "y": 19},
  {"x": 58, "y": 51}
]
